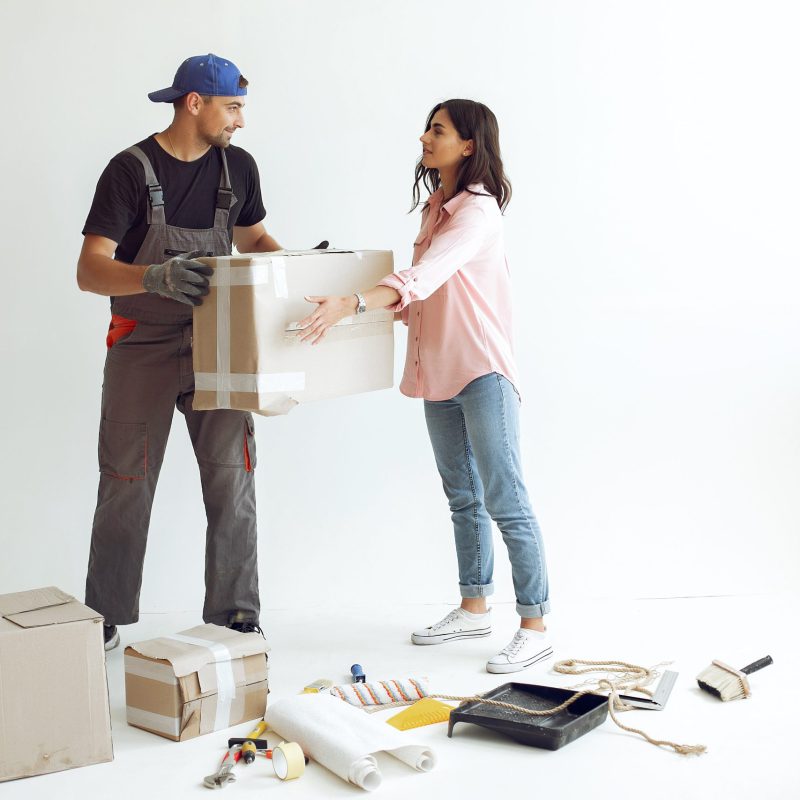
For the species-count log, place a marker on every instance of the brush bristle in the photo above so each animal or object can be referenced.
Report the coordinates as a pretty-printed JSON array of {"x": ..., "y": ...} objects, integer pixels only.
[{"x": 721, "y": 683}]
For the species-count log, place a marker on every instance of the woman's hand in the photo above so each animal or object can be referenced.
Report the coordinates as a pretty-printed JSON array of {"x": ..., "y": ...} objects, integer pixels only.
[{"x": 327, "y": 313}]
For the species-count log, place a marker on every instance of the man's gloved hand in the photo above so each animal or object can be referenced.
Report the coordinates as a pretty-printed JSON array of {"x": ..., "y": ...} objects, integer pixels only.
[{"x": 180, "y": 279}]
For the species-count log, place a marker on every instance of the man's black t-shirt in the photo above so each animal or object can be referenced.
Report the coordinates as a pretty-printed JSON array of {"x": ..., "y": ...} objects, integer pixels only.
[{"x": 119, "y": 208}]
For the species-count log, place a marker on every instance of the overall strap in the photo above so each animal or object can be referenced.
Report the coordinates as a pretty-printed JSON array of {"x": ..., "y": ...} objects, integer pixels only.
[
  {"x": 225, "y": 196},
  {"x": 155, "y": 207}
]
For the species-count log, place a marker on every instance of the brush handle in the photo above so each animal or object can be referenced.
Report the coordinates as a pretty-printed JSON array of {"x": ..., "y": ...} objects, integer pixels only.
[{"x": 757, "y": 665}]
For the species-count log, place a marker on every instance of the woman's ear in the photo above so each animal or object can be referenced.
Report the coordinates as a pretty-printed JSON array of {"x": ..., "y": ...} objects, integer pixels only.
[{"x": 468, "y": 148}]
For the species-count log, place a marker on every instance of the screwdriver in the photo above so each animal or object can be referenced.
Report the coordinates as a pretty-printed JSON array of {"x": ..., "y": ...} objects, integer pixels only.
[{"x": 248, "y": 750}]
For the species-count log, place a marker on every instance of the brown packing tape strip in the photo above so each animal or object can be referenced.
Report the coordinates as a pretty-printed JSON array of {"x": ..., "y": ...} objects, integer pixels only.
[{"x": 154, "y": 697}]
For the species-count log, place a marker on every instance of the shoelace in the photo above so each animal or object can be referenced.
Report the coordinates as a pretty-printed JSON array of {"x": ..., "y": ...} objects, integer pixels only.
[
  {"x": 515, "y": 645},
  {"x": 451, "y": 617},
  {"x": 246, "y": 627}
]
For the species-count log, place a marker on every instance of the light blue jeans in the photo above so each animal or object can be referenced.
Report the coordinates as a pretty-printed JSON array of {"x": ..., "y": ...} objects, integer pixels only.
[{"x": 475, "y": 438}]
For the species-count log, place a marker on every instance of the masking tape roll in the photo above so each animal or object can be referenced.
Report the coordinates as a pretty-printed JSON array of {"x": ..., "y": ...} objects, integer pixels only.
[{"x": 288, "y": 760}]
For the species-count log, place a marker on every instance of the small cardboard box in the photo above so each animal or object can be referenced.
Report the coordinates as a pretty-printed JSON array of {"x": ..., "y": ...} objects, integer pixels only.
[
  {"x": 197, "y": 681},
  {"x": 246, "y": 355},
  {"x": 53, "y": 693}
]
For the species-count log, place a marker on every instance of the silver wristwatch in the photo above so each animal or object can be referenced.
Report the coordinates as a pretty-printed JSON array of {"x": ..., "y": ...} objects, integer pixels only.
[{"x": 362, "y": 303}]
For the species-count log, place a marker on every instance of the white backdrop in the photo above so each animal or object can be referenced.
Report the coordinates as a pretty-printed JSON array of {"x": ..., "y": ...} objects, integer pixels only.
[{"x": 652, "y": 238}]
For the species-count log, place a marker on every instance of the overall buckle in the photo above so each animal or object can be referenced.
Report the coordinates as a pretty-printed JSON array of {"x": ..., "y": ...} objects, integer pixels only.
[
  {"x": 224, "y": 198},
  {"x": 156, "y": 195}
]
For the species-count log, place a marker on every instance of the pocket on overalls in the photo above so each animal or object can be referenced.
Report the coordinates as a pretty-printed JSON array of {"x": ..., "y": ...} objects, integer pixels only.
[
  {"x": 171, "y": 253},
  {"x": 122, "y": 449},
  {"x": 249, "y": 443},
  {"x": 119, "y": 329}
]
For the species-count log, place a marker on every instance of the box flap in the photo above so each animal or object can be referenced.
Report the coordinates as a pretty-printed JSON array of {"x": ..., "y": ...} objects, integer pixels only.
[
  {"x": 34, "y": 599},
  {"x": 54, "y": 615},
  {"x": 187, "y": 657}
]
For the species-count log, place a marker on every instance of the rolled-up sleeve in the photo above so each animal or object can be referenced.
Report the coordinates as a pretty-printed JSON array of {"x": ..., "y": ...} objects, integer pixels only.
[{"x": 449, "y": 251}]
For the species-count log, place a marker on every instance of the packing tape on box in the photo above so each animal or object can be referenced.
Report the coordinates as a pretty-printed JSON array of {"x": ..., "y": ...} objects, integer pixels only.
[
  {"x": 251, "y": 382},
  {"x": 226, "y": 684},
  {"x": 250, "y": 275},
  {"x": 171, "y": 726},
  {"x": 223, "y": 276},
  {"x": 279, "y": 277},
  {"x": 152, "y": 671}
]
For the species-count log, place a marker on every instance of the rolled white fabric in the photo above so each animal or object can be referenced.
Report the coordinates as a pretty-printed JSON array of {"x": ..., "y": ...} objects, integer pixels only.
[{"x": 344, "y": 739}]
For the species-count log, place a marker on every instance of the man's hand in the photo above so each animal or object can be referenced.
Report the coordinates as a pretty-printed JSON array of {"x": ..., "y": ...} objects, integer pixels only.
[{"x": 181, "y": 278}]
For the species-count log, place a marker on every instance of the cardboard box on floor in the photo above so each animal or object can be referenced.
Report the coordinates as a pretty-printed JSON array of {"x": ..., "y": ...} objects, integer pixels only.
[
  {"x": 53, "y": 692},
  {"x": 244, "y": 356},
  {"x": 197, "y": 681}
]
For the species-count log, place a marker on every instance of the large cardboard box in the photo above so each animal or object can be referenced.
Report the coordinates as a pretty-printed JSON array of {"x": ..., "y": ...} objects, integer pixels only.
[
  {"x": 197, "y": 681},
  {"x": 53, "y": 692},
  {"x": 245, "y": 356}
]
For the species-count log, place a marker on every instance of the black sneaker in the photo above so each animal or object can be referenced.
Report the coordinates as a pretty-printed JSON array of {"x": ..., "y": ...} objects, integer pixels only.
[
  {"x": 244, "y": 626},
  {"x": 110, "y": 636}
]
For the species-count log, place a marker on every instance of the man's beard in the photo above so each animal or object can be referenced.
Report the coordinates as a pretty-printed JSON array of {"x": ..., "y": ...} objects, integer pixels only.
[{"x": 223, "y": 140}]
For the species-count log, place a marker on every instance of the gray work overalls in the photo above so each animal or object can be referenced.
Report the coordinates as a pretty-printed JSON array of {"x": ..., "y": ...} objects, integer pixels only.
[{"x": 146, "y": 375}]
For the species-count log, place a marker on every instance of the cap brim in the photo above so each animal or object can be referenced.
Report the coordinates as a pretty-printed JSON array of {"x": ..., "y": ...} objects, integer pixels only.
[{"x": 166, "y": 95}]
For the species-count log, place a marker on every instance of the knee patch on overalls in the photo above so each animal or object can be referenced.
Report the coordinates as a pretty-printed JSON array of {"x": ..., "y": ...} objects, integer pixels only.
[{"x": 123, "y": 449}]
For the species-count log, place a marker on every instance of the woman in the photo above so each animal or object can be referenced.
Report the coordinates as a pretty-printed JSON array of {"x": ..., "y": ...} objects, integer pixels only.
[{"x": 456, "y": 302}]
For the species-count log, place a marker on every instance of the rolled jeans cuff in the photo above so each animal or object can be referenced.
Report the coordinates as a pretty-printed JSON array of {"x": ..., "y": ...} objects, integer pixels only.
[
  {"x": 535, "y": 611},
  {"x": 479, "y": 590}
]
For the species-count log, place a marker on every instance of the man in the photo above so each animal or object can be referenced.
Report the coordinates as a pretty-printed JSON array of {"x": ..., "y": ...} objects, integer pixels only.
[{"x": 177, "y": 194}]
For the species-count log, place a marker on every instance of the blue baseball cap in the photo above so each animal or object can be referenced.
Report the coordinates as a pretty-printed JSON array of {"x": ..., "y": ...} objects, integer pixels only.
[{"x": 208, "y": 74}]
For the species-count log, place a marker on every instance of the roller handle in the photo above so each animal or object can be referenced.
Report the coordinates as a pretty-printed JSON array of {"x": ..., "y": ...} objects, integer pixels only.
[
  {"x": 357, "y": 671},
  {"x": 757, "y": 665}
]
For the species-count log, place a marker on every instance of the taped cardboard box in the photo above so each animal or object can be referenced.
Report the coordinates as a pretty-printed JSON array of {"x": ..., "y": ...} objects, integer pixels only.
[
  {"x": 53, "y": 692},
  {"x": 247, "y": 357},
  {"x": 200, "y": 680}
]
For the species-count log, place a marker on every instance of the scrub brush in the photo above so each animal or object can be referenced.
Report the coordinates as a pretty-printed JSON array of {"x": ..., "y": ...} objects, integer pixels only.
[{"x": 727, "y": 683}]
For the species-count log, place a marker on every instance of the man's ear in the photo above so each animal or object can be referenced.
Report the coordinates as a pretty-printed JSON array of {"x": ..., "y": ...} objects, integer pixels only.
[{"x": 193, "y": 103}]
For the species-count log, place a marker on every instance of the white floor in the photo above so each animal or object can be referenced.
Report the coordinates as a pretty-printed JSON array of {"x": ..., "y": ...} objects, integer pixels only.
[{"x": 752, "y": 744}]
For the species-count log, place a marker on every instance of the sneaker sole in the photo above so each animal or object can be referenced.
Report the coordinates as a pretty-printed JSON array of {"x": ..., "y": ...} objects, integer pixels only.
[
  {"x": 442, "y": 638},
  {"x": 112, "y": 642},
  {"x": 520, "y": 665}
]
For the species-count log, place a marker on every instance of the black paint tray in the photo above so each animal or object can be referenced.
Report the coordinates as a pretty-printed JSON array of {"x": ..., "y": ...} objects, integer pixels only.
[{"x": 550, "y": 732}]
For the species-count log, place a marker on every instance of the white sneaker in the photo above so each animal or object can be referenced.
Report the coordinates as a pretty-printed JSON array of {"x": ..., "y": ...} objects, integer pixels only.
[
  {"x": 525, "y": 649},
  {"x": 456, "y": 625}
]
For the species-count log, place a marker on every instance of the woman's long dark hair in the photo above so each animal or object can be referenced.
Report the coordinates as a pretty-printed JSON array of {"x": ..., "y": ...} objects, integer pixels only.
[{"x": 477, "y": 122}]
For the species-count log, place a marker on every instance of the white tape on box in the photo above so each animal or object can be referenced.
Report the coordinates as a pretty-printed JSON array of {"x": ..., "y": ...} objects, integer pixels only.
[
  {"x": 256, "y": 382},
  {"x": 155, "y": 722},
  {"x": 226, "y": 684},
  {"x": 251, "y": 275},
  {"x": 279, "y": 276}
]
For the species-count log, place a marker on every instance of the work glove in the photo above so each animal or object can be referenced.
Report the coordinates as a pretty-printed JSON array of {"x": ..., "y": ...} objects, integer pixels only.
[{"x": 181, "y": 278}]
